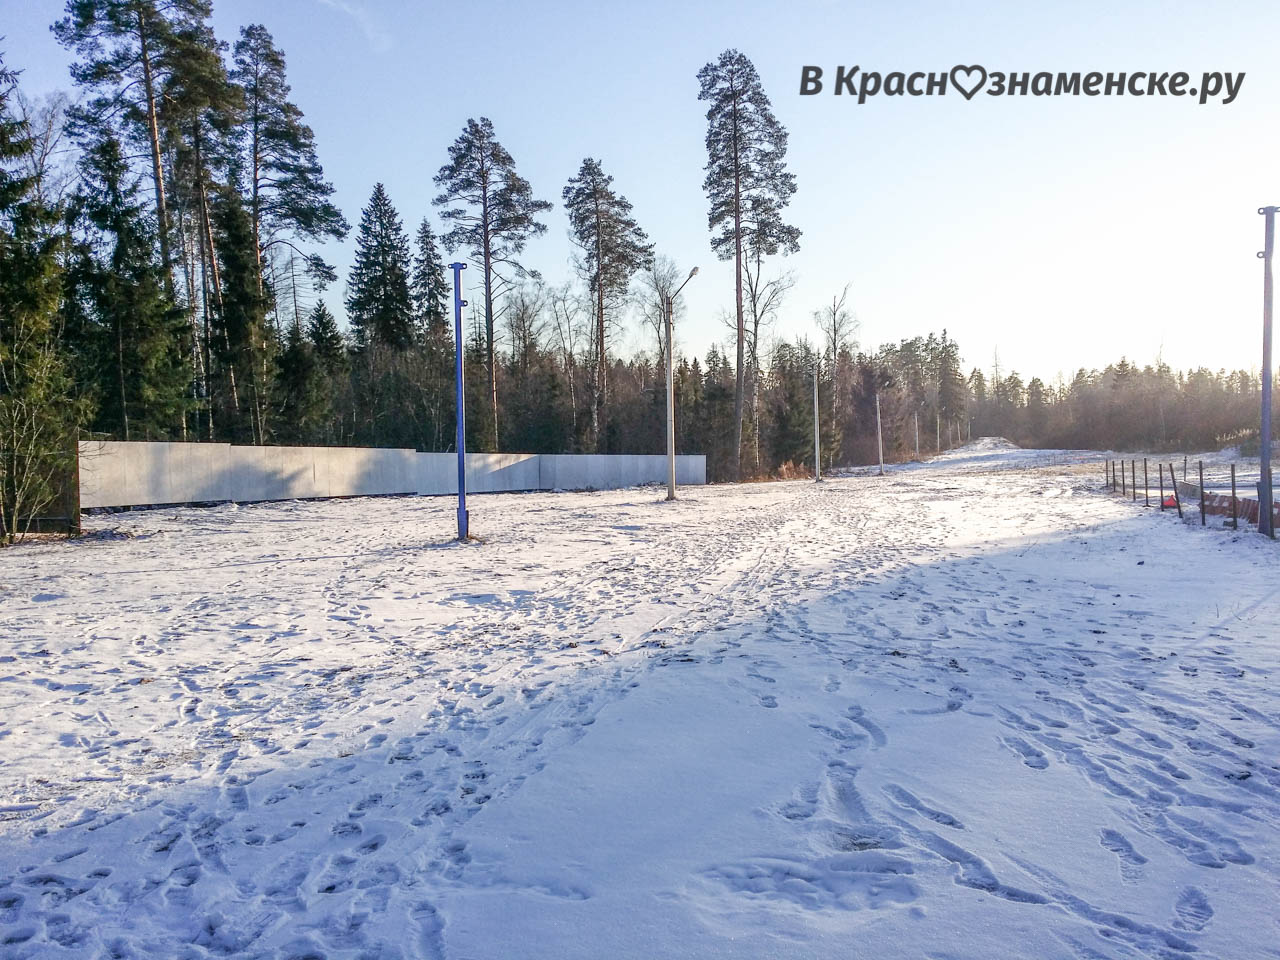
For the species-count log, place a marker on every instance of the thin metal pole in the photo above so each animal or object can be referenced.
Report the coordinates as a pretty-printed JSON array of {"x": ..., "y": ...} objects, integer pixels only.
[
  {"x": 1160, "y": 468},
  {"x": 817, "y": 442},
  {"x": 879, "y": 435},
  {"x": 1133, "y": 477},
  {"x": 1265, "y": 498},
  {"x": 1177, "y": 498},
  {"x": 917, "y": 434},
  {"x": 1123, "y": 487},
  {"x": 1184, "y": 466},
  {"x": 1146, "y": 485},
  {"x": 671, "y": 409},
  {"x": 1235, "y": 520},
  {"x": 937, "y": 429},
  {"x": 461, "y": 440},
  {"x": 1201, "y": 467}
]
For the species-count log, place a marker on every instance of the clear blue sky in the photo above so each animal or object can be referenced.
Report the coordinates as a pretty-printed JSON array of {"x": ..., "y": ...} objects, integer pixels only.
[{"x": 1063, "y": 231}]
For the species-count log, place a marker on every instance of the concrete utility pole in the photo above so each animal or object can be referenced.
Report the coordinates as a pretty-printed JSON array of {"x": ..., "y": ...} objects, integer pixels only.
[
  {"x": 937, "y": 429},
  {"x": 917, "y": 415},
  {"x": 461, "y": 439},
  {"x": 671, "y": 391},
  {"x": 817, "y": 443},
  {"x": 1265, "y": 495},
  {"x": 879, "y": 435}
]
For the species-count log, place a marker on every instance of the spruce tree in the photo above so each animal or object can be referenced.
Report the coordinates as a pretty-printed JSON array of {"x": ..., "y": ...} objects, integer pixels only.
[
  {"x": 747, "y": 184},
  {"x": 613, "y": 247},
  {"x": 288, "y": 195},
  {"x": 333, "y": 373},
  {"x": 430, "y": 284},
  {"x": 300, "y": 388},
  {"x": 432, "y": 295},
  {"x": 326, "y": 339},
  {"x": 494, "y": 214},
  {"x": 378, "y": 302},
  {"x": 133, "y": 337},
  {"x": 242, "y": 345}
]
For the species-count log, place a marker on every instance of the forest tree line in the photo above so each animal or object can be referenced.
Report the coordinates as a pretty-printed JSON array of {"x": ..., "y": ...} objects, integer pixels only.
[{"x": 159, "y": 280}]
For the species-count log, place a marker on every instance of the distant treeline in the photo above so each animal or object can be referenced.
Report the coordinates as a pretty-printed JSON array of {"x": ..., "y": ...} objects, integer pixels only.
[{"x": 159, "y": 280}]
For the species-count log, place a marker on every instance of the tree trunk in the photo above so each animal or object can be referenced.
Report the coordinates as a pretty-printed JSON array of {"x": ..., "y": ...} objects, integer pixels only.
[
  {"x": 124, "y": 403},
  {"x": 737, "y": 269},
  {"x": 214, "y": 273},
  {"x": 153, "y": 130},
  {"x": 488, "y": 322},
  {"x": 256, "y": 199},
  {"x": 602, "y": 363}
]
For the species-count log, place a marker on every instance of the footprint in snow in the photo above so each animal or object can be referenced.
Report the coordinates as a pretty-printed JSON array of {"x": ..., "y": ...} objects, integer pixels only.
[
  {"x": 1130, "y": 860},
  {"x": 1192, "y": 910}
]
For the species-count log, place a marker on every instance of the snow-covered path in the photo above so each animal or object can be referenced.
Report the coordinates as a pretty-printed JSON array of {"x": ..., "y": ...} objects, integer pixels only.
[{"x": 943, "y": 713}]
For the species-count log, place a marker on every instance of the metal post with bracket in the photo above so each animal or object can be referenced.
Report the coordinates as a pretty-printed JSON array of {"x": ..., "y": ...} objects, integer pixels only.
[{"x": 458, "y": 303}]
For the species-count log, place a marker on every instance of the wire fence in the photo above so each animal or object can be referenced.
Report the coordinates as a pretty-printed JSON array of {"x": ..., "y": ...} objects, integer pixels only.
[{"x": 1230, "y": 489}]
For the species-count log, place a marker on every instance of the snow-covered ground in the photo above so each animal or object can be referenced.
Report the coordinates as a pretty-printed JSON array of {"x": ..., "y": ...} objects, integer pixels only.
[{"x": 959, "y": 711}]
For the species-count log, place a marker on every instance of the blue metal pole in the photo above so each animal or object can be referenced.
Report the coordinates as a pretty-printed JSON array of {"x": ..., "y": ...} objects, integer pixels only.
[
  {"x": 1265, "y": 495},
  {"x": 458, "y": 304}
]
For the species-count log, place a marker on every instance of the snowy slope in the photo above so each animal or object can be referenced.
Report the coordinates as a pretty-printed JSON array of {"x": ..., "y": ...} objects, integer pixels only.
[{"x": 946, "y": 713}]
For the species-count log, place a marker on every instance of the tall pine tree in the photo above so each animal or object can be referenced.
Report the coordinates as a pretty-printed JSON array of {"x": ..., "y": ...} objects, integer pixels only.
[
  {"x": 378, "y": 302},
  {"x": 128, "y": 50},
  {"x": 202, "y": 107},
  {"x": 747, "y": 184},
  {"x": 613, "y": 247},
  {"x": 494, "y": 214},
  {"x": 288, "y": 195}
]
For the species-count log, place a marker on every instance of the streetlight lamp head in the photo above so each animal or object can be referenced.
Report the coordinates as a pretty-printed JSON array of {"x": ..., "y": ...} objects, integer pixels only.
[{"x": 693, "y": 273}]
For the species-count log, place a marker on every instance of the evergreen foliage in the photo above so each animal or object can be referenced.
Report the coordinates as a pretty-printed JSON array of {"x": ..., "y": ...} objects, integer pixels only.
[{"x": 379, "y": 306}]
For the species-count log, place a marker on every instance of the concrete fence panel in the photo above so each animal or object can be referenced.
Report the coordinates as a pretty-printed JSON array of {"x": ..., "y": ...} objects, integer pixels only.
[
  {"x": 437, "y": 473},
  {"x": 500, "y": 472},
  {"x": 124, "y": 474}
]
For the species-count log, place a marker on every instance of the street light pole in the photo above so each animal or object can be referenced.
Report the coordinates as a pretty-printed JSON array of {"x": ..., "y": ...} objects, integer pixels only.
[
  {"x": 461, "y": 439},
  {"x": 879, "y": 435},
  {"x": 817, "y": 443},
  {"x": 1265, "y": 496},
  {"x": 671, "y": 390}
]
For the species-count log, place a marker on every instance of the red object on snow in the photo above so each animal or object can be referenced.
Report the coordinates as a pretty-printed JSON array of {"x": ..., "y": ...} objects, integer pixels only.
[{"x": 1170, "y": 501}]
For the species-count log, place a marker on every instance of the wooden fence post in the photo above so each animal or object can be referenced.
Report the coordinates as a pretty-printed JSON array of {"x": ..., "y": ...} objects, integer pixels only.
[{"x": 1146, "y": 485}]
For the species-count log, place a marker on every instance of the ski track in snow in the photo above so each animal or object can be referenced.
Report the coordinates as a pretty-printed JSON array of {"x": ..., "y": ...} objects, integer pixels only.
[{"x": 277, "y": 731}]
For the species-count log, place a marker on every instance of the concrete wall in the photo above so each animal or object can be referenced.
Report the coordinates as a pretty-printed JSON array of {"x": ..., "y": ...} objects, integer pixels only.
[
  {"x": 586, "y": 471},
  {"x": 118, "y": 474}
]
